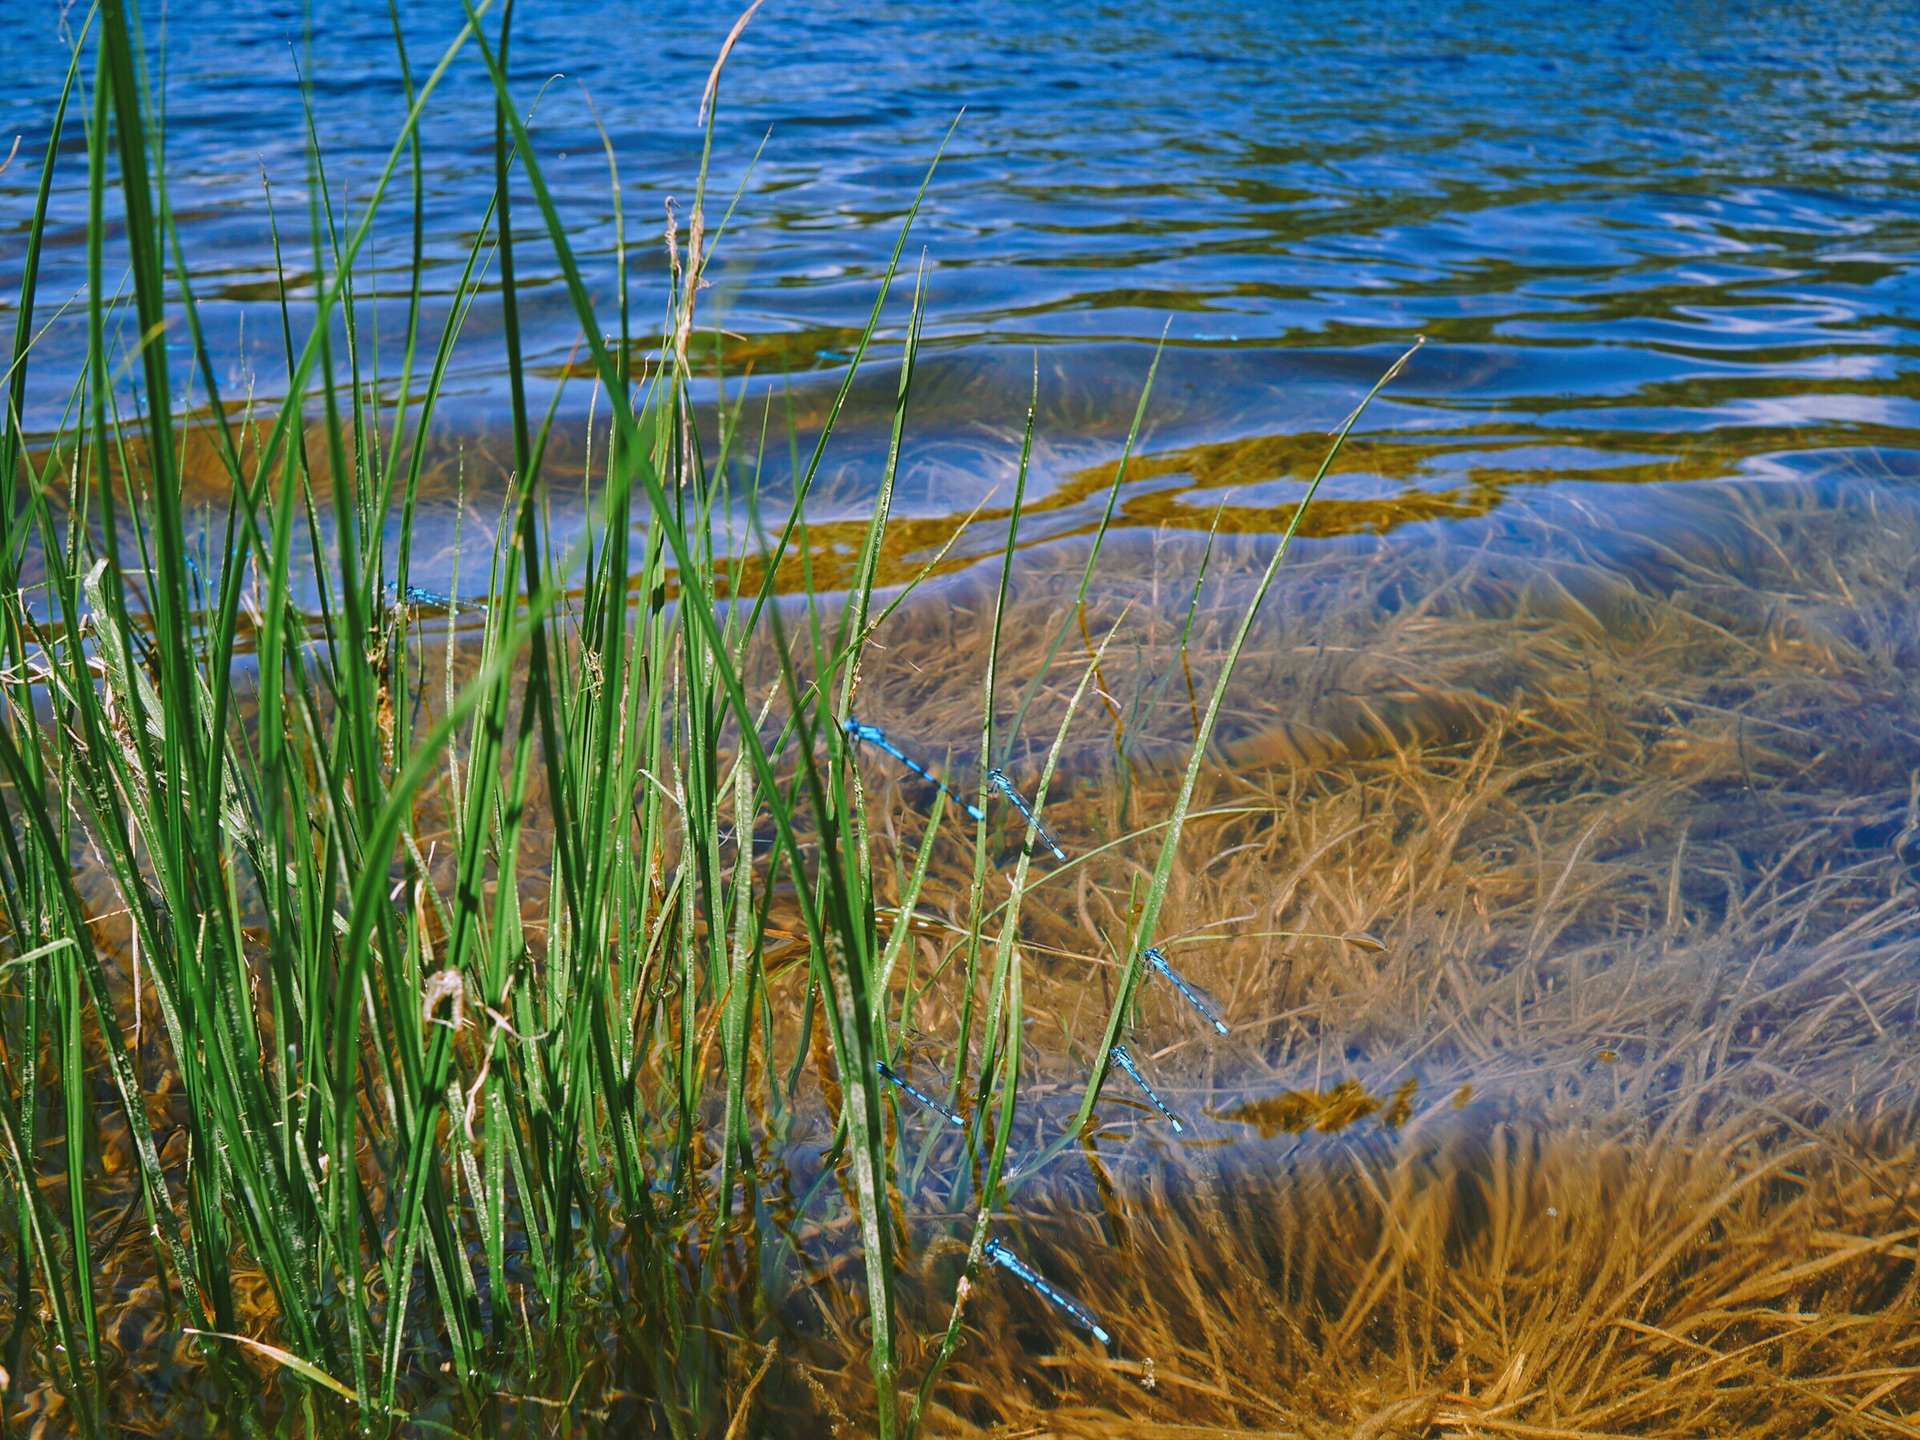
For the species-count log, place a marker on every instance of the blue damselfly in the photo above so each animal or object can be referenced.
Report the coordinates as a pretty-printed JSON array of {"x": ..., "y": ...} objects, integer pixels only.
[
  {"x": 875, "y": 736},
  {"x": 1126, "y": 1063},
  {"x": 1065, "y": 1303},
  {"x": 1042, "y": 832},
  {"x": 1208, "y": 1007},
  {"x": 892, "y": 1077},
  {"x": 414, "y": 595}
]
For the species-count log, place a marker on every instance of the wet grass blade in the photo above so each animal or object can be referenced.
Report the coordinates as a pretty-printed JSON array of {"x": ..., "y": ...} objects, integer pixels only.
[{"x": 1149, "y": 917}]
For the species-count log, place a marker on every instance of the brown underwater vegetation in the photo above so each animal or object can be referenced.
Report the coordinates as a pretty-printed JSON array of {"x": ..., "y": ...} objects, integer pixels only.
[
  {"x": 1613, "y": 1131},
  {"x": 1627, "y": 783}
]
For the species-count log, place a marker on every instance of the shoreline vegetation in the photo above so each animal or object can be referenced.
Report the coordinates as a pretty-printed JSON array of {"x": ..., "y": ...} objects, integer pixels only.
[{"x": 1437, "y": 994}]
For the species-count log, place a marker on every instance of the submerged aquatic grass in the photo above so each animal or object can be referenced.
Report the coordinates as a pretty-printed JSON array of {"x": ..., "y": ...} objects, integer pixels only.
[
  {"x": 1568, "y": 933},
  {"x": 478, "y": 1011}
]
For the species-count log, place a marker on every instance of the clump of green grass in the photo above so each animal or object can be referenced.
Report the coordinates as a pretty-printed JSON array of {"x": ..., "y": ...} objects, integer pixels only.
[{"x": 388, "y": 1004}]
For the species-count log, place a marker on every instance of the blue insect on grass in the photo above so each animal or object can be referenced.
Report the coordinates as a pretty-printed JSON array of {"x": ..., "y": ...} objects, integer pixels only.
[
  {"x": 1208, "y": 1007},
  {"x": 1126, "y": 1062},
  {"x": 1041, "y": 830},
  {"x": 873, "y": 735},
  {"x": 1051, "y": 1293},
  {"x": 413, "y": 595},
  {"x": 893, "y": 1077}
]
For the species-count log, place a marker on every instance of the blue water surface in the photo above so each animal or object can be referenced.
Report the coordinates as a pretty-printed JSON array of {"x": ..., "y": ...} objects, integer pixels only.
[{"x": 1650, "y": 242}]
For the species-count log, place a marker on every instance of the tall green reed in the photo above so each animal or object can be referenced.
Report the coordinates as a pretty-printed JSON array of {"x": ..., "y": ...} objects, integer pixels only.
[{"x": 438, "y": 1118}]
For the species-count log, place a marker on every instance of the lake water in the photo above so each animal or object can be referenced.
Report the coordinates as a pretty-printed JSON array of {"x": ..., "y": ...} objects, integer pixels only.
[
  {"x": 1668, "y": 244},
  {"x": 1591, "y": 688}
]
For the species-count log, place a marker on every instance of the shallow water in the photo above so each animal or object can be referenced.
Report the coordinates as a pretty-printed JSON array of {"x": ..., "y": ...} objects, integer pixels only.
[{"x": 1590, "y": 688}]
